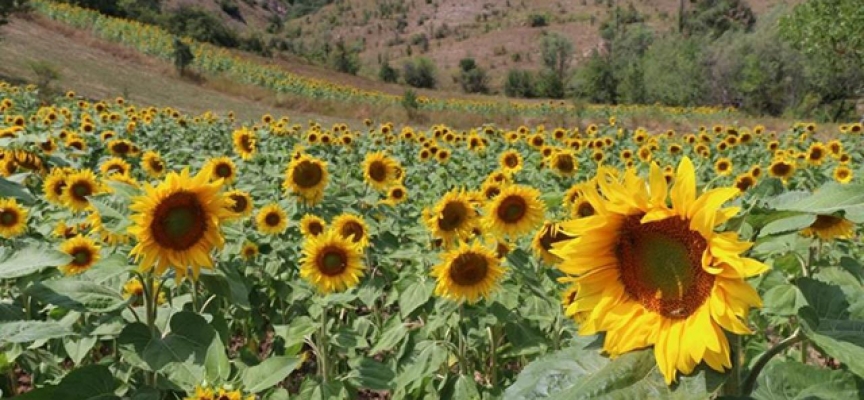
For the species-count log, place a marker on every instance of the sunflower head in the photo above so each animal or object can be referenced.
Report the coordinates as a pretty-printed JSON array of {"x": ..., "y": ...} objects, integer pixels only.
[
  {"x": 79, "y": 186},
  {"x": 84, "y": 253},
  {"x": 829, "y": 227},
  {"x": 312, "y": 225},
  {"x": 115, "y": 165},
  {"x": 379, "y": 170},
  {"x": 469, "y": 272},
  {"x": 352, "y": 228},
  {"x": 331, "y": 262},
  {"x": 782, "y": 169},
  {"x": 221, "y": 169},
  {"x": 307, "y": 177},
  {"x": 153, "y": 164},
  {"x": 842, "y": 174},
  {"x": 510, "y": 161},
  {"x": 723, "y": 166},
  {"x": 396, "y": 194},
  {"x": 515, "y": 211},
  {"x": 271, "y": 220},
  {"x": 13, "y": 218},
  {"x": 549, "y": 234},
  {"x": 245, "y": 143},
  {"x": 240, "y": 203},
  {"x": 249, "y": 251},
  {"x": 564, "y": 163},
  {"x": 453, "y": 217}
]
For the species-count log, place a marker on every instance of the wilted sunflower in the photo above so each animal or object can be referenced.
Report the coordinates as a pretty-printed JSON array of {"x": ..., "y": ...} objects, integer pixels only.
[
  {"x": 249, "y": 250},
  {"x": 177, "y": 223},
  {"x": 307, "y": 177},
  {"x": 115, "y": 165},
  {"x": 84, "y": 252},
  {"x": 782, "y": 169},
  {"x": 654, "y": 274},
  {"x": 564, "y": 163},
  {"x": 271, "y": 220},
  {"x": 221, "y": 168},
  {"x": 517, "y": 210},
  {"x": 379, "y": 170},
  {"x": 353, "y": 228},
  {"x": 312, "y": 225},
  {"x": 842, "y": 174},
  {"x": 829, "y": 227},
  {"x": 723, "y": 166},
  {"x": 13, "y": 218},
  {"x": 152, "y": 164},
  {"x": 467, "y": 273},
  {"x": 331, "y": 262},
  {"x": 245, "y": 143},
  {"x": 510, "y": 162},
  {"x": 453, "y": 217},
  {"x": 546, "y": 236},
  {"x": 79, "y": 186},
  {"x": 240, "y": 203}
]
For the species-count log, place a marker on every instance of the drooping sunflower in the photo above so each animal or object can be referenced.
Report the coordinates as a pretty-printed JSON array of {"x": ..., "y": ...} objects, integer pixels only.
[
  {"x": 245, "y": 143},
  {"x": 271, "y": 220},
  {"x": 221, "y": 168},
  {"x": 379, "y": 170},
  {"x": 307, "y": 177},
  {"x": 654, "y": 274},
  {"x": 331, "y": 262},
  {"x": 829, "y": 227},
  {"x": 177, "y": 223},
  {"x": 153, "y": 164},
  {"x": 84, "y": 252},
  {"x": 469, "y": 272},
  {"x": 241, "y": 203},
  {"x": 352, "y": 227},
  {"x": 516, "y": 211},
  {"x": 249, "y": 251},
  {"x": 842, "y": 174},
  {"x": 79, "y": 185},
  {"x": 453, "y": 217},
  {"x": 312, "y": 225},
  {"x": 546, "y": 236},
  {"x": 115, "y": 165},
  {"x": 510, "y": 162},
  {"x": 13, "y": 218}
]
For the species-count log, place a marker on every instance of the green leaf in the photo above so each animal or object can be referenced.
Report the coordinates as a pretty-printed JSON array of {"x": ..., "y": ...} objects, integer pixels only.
[
  {"x": 269, "y": 373},
  {"x": 15, "y": 190},
  {"x": 414, "y": 297},
  {"x": 393, "y": 334},
  {"x": 113, "y": 220},
  {"x": 783, "y": 300},
  {"x": 216, "y": 363},
  {"x": 78, "y": 348},
  {"x": 828, "y": 199},
  {"x": 370, "y": 374},
  {"x": 841, "y": 339},
  {"x": 29, "y": 260},
  {"x": 788, "y": 224},
  {"x": 77, "y": 295},
  {"x": 465, "y": 388},
  {"x": 296, "y": 332},
  {"x": 91, "y": 382},
  {"x": 30, "y": 331},
  {"x": 828, "y": 300},
  {"x": 795, "y": 381}
]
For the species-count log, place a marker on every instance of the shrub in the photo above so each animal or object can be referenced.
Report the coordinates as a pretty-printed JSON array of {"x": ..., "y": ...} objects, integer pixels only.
[
  {"x": 538, "y": 20},
  {"x": 387, "y": 73},
  {"x": 519, "y": 83},
  {"x": 420, "y": 73},
  {"x": 472, "y": 78}
]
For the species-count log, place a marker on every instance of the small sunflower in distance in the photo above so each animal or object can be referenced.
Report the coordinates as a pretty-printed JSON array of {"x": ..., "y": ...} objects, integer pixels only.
[
  {"x": 829, "y": 227},
  {"x": 13, "y": 218},
  {"x": 115, "y": 165},
  {"x": 312, "y": 225},
  {"x": 177, "y": 224},
  {"x": 271, "y": 220},
  {"x": 516, "y": 211},
  {"x": 353, "y": 228},
  {"x": 651, "y": 273},
  {"x": 84, "y": 253},
  {"x": 307, "y": 177},
  {"x": 842, "y": 174},
  {"x": 331, "y": 262},
  {"x": 468, "y": 272},
  {"x": 221, "y": 168},
  {"x": 782, "y": 169},
  {"x": 249, "y": 251},
  {"x": 379, "y": 170},
  {"x": 564, "y": 163},
  {"x": 245, "y": 143},
  {"x": 510, "y": 162},
  {"x": 395, "y": 195}
]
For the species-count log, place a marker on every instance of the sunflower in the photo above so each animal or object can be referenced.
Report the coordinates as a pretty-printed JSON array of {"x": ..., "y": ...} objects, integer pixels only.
[
  {"x": 654, "y": 274},
  {"x": 453, "y": 217},
  {"x": 546, "y": 236},
  {"x": 13, "y": 218},
  {"x": 79, "y": 186},
  {"x": 312, "y": 225},
  {"x": 241, "y": 203},
  {"x": 84, "y": 252},
  {"x": 744, "y": 182},
  {"x": 490, "y": 190},
  {"x": 582, "y": 208},
  {"x": 510, "y": 162},
  {"x": 723, "y": 166},
  {"x": 842, "y": 174},
  {"x": 307, "y": 176},
  {"x": 249, "y": 250},
  {"x": 442, "y": 156},
  {"x": 515, "y": 211},
  {"x": 115, "y": 165},
  {"x": 331, "y": 262},
  {"x": 397, "y": 194},
  {"x": 816, "y": 154},
  {"x": 152, "y": 164},
  {"x": 245, "y": 143},
  {"x": 177, "y": 223},
  {"x": 564, "y": 163},
  {"x": 48, "y": 146},
  {"x": 829, "y": 227},
  {"x": 782, "y": 169},
  {"x": 271, "y": 220},
  {"x": 134, "y": 289},
  {"x": 221, "y": 168},
  {"x": 352, "y": 227},
  {"x": 467, "y": 273},
  {"x": 379, "y": 170},
  {"x": 54, "y": 185},
  {"x": 120, "y": 147}
]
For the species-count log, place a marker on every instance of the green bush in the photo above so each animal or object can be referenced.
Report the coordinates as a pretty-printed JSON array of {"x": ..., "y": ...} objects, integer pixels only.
[
  {"x": 472, "y": 78},
  {"x": 519, "y": 83},
  {"x": 420, "y": 73},
  {"x": 387, "y": 73}
]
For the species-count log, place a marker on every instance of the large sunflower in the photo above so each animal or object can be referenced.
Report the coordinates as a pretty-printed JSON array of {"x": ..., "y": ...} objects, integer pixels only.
[
  {"x": 221, "y": 168},
  {"x": 245, "y": 143},
  {"x": 79, "y": 186},
  {"x": 467, "y": 273},
  {"x": 331, "y": 262},
  {"x": 271, "y": 220},
  {"x": 177, "y": 223},
  {"x": 353, "y": 228},
  {"x": 312, "y": 225},
  {"x": 307, "y": 176},
  {"x": 379, "y": 170},
  {"x": 654, "y": 274},
  {"x": 517, "y": 210},
  {"x": 453, "y": 217},
  {"x": 13, "y": 218},
  {"x": 84, "y": 252}
]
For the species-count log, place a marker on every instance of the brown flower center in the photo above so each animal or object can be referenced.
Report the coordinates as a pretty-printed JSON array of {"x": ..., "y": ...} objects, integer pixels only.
[
  {"x": 332, "y": 261},
  {"x": 378, "y": 171},
  {"x": 452, "y": 216},
  {"x": 469, "y": 269},
  {"x": 179, "y": 221},
  {"x": 307, "y": 174},
  {"x": 512, "y": 209},
  {"x": 353, "y": 230}
]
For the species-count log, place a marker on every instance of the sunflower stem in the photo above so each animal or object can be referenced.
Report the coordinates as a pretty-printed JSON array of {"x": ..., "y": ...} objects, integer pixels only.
[
  {"x": 150, "y": 292},
  {"x": 763, "y": 360},
  {"x": 322, "y": 347},
  {"x": 493, "y": 368},
  {"x": 463, "y": 367}
]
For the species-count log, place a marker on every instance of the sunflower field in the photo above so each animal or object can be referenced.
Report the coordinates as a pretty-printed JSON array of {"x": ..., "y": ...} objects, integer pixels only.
[{"x": 149, "y": 254}]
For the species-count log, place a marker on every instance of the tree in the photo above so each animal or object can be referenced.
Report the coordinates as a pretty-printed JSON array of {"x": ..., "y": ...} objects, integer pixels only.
[
  {"x": 344, "y": 59},
  {"x": 557, "y": 53},
  {"x": 519, "y": 83},
  {"x": 715, "y": 17},
  {"x": 387, "y": 73},
  {"x": 472, "y": 78},
  {"x": 183, "y": 56},
  {"x": 420, "y": 73}
]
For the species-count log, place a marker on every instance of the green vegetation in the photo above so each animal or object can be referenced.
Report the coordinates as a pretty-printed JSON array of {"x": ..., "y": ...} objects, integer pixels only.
[{"x": 420, "y": 73}]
